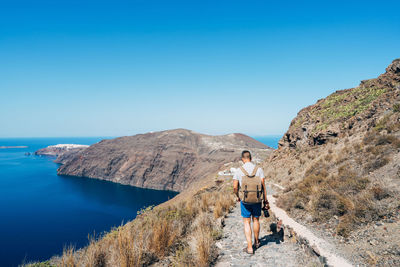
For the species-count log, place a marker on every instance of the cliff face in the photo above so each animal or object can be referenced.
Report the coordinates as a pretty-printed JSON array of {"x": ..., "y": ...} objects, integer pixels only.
[
  {"x": 168, "y": 160},
  {"x": 350, "y": 119},
  {"x": 339, "y": 162},
  {"x": 345, "y": 111}
]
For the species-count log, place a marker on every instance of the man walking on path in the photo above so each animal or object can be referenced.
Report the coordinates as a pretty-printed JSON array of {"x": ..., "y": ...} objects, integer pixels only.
[{"x": 246, "y": 178}]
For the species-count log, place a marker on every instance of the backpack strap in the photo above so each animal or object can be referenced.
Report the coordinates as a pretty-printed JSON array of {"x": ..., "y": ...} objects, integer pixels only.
[
  {"x": 247, "y": 174},
  {"x": 244, "y": 171},
  {"x": 254, "y": 171}
]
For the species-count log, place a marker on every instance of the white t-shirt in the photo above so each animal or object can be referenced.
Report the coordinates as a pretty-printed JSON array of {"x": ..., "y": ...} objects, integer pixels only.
[{"x": 249, "y": 167}]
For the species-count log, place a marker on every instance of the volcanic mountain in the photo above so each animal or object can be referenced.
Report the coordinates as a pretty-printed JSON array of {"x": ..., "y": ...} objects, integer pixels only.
[{"x": 167, "y": 160}]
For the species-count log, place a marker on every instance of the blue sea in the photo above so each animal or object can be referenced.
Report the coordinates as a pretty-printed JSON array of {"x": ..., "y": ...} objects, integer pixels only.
[
  {"x": 270, "y": 140},
  {"x": 42, "y": 212}
]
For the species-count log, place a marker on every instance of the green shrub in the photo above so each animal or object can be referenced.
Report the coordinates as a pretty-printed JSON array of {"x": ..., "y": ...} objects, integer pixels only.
[
  {"x": 382, "y": 123},
  {"x": 396, "y": 107},
  {"x": 343, "y": 105},
  {"x": 325, "y": 205}
]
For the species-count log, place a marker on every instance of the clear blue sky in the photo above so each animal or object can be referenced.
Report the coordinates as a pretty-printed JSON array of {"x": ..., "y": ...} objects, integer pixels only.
[{"x": 111, "y": 68}]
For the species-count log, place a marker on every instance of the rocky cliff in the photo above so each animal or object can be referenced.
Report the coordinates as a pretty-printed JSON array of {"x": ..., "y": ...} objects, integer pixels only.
[
  {"x": 339, "y": 162},
  {"x": 346, "y": 111},
  {"x": 168, "y": 160}
]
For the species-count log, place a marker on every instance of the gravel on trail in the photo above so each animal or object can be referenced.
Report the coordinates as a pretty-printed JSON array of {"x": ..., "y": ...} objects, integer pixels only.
[{"x": 272, "y": 251}]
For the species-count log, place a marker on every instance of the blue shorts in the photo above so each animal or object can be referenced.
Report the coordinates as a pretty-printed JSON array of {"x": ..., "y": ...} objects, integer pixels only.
[{"x": 248, "y": 210}]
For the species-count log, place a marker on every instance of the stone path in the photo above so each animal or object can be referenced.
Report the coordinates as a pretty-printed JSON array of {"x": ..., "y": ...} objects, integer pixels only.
[
  {"x": 329, "y": 253},
  {"x": 271, "y": 253}
]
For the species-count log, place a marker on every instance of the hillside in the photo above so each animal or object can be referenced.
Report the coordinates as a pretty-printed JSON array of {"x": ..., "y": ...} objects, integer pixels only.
[
  {"x": 338, "y": 165},
  {"x": 179, "y": 232},
  {"x": 339, "y": 162},
  {"x": 168, "y": 160}
]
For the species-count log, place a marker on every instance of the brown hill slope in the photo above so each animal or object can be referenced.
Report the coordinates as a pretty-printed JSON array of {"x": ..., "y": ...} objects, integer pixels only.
[
  {"x": 171, "y": 159},
  {"x": 340, "y": 164}
]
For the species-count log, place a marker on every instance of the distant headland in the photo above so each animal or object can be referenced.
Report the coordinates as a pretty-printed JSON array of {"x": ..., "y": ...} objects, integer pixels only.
[{"x": 4, "y": 147}]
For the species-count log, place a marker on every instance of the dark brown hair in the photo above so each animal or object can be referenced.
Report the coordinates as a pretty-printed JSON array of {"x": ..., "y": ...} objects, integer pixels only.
[{"x": 246, "y": 154}]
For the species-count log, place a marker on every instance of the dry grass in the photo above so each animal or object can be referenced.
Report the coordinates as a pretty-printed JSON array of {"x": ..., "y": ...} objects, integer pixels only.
[
  {"x": 129, "y": 248},
  {"x": 382, "y": 123},
  {"x": 68, "y": 257},
  {"x": 394, "y": 127},
  {"x": 377, "y": 163},
  {"x": 218, "y": 210},
  {"x": 388, "y": 139},
  {"x": 184, "y": 257},
  {"x": 163, "y": 236},
  {"x": 96, "y": 255},
  {"x": 345, "y": 225},
  {"x": 345, "y": 182},
  {"x": 204, "y": 202},
  {"x": 377, "y": 151},
  {"x": 222, "y": 205},
  {"x": 327, "y": 190},
  {"x": 204, "y": 247},
  {"x": 204, "y": 241},
  {"x": 328, "y": 158},
  {"x": 379, "y": 192},
  {"x": 390, "y": 122},
  {"x": 184, "y": 231}
]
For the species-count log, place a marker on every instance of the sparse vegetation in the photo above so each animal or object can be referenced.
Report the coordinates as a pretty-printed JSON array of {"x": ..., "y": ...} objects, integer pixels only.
[
  {"x": 68, "y": 258},
  {"x": 336, "y": 183},
  {"x": 344, "y": 104},
  {"x": 345, "y": 181},
  {"x": 222, "y": 205},
  {"x": 377, "y": 163},
  {"x": 340, "y": 106},
  {"x": 388, "y": 139},
  {"x": 40, "y": 264},
  {"x": 396, "y": 107},
  {"x": 345, "y": 194},
  {"x": 379, "y": 192},
  {"x": 186, "y": 231},
  {"x": 382, "y": 123}
]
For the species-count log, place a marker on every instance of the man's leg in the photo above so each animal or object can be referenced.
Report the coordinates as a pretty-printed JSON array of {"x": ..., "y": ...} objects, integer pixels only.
[
  {"x": 256, "y": 229},
  {"x": 247, "y": 232}
]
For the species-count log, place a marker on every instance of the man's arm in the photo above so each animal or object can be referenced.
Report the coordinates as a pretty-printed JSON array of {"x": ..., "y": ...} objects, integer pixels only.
[{"x": 236, "y": 189}]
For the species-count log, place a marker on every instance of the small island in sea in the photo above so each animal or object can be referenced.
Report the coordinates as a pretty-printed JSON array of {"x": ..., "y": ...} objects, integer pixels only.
[{"x": 5, "y": 147}]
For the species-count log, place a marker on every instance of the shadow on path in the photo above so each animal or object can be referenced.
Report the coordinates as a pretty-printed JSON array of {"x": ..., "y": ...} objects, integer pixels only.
[
  {"x": 276, "y": 236},
  {"x": 272, "y": 252}
]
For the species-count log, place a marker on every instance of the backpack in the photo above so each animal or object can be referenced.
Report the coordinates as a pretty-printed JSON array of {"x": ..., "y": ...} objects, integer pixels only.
[{"x": 251, "y": 187}]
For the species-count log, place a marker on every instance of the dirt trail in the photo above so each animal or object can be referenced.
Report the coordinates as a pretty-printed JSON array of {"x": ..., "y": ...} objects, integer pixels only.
[
  {"x": 271, "y": 253},
  {"x": 319, "y": 245}
]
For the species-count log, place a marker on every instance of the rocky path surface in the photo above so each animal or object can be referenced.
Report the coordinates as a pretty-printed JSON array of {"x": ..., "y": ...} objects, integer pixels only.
[{"x": 271, "y": 253}]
